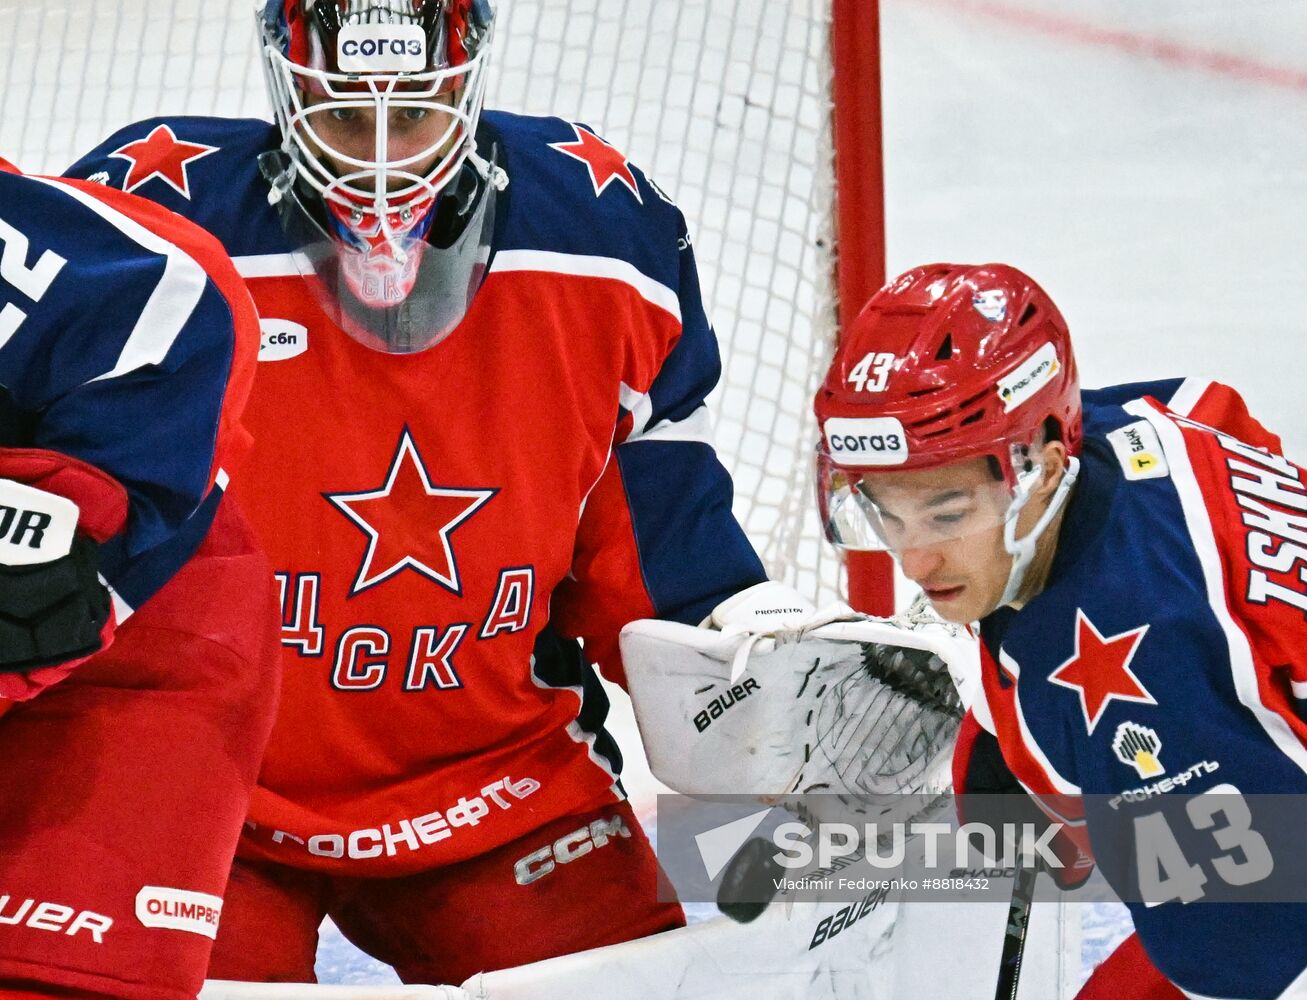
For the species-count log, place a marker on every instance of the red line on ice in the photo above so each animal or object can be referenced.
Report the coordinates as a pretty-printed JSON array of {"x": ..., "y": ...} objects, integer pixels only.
[{"x": 1177, "y": 54}]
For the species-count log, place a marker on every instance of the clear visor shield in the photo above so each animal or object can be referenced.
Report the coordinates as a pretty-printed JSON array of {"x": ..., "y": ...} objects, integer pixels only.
[
  {"x": 896, "y": 511},
  {"x": 398, "y": 294}
]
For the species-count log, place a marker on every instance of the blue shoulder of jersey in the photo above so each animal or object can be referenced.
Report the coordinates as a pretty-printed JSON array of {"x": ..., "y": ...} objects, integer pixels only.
[
  {"x": 570, "y": 192},
  {"x": 1125, "y": 634},
  {"x": 116, "y": 349},
  {"x": 205, "y": 169},
  {"x": 1102, "y": 407}
]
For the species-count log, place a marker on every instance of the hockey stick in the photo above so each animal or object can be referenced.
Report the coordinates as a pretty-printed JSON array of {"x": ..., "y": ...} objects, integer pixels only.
[{"x": 1014, "y": 940}]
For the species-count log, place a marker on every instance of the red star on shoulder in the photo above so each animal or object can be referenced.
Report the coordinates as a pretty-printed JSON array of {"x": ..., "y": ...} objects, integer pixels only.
[
  {"x": 605, "y": 163},
  {"x": 161, "y": 154},
  {"x": 408, "y": 522},
  {"x": 1099, "y": 670}
]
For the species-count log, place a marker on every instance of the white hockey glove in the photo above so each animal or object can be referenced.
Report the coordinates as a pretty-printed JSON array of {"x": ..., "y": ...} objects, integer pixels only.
[{"x": 779, "y": 699}]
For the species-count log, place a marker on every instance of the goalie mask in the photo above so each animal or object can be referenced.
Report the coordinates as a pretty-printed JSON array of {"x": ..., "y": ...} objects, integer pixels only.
[
  {"x": 378, "y": 178},
  {"x": 947, "y": 364}
]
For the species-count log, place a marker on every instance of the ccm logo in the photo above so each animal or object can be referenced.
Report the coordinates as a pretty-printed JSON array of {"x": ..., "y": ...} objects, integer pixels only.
[{"x": 569, "y": 847}]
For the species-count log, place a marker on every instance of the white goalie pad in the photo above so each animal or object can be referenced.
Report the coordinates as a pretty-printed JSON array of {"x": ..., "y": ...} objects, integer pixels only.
[
  {"x": 869, "y": 950},
  {"x": 798, "y": 710}
]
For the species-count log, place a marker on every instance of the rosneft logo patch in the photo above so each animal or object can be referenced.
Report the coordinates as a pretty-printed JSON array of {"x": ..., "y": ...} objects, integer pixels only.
[
  {"x": 381, "y": 48},
  {"x": 1031, "y": 376},
  {"x": 863, "y": 441},
  {"x": 1138, "y": 747}
]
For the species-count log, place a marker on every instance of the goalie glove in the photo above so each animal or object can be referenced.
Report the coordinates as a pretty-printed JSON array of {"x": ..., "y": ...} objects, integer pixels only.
[
  {"x": 828, "y": 701},
  {"x": 54, "y": 610}
]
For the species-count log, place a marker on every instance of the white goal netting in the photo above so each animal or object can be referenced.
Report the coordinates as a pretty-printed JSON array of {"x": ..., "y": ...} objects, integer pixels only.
[{"x": 724, "y": 104}]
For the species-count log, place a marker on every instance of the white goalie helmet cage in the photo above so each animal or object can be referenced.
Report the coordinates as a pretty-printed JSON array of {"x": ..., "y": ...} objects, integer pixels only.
[{"x": 378, "y": 176}]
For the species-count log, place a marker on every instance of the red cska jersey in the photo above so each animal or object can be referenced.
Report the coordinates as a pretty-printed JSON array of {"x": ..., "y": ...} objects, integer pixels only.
[{"x": 445, "y": 524}]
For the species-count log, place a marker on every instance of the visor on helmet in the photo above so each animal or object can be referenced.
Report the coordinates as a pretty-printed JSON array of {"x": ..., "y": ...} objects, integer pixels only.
[
  {"x": 896, "y": 510},
  {"x": 400, "y": 293},
  {"x": 378, "y": 103}
]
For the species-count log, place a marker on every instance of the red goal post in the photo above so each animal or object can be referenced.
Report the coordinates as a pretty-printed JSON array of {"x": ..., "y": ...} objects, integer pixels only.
[{"x": 860, "y": 220}]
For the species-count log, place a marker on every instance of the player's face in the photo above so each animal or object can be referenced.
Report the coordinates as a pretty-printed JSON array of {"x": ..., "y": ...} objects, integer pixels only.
[
  {"x": 422, "y": 131},
  {"x": 945, "y": 525}
]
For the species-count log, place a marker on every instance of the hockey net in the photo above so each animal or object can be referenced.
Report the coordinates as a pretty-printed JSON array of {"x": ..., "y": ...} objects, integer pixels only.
[{"x": 727, "y": 105}]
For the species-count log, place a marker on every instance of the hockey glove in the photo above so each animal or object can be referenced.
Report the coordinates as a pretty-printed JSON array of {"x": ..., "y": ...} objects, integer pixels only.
[
  {"x": 54, "y": 611},
  {"x": 785, "y": 700}
]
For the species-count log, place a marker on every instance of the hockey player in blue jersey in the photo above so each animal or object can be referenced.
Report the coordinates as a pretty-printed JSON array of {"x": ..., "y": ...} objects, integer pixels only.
[
  {"x": 1133, "y": 558},
  {"x": 138, "y": 643}
]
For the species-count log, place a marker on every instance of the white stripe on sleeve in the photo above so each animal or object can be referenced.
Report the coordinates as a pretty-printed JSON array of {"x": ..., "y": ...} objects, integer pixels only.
[
  {"x": 583, "y": 266},
  {"x": 173, "y": 300},
  {"x": 1187, "y": 396},
  {"x": 1199, "y": 525}
]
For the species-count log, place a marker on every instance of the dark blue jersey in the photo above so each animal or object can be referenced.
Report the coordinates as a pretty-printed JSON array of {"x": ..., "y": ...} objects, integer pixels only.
[
  {"x": 1166, "y": 655},
  {"x": 126, "y": 341}
]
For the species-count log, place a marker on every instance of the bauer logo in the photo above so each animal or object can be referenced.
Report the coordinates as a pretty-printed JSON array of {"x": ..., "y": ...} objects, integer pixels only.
[
  {"x": 1139, "y": 450},
  {"x": 280, "y": 339},
  {"x": 865, "y": 441},
  {"x": 1033, "y": 374},
  {"x": 35, "y": 526},
  {"x": 381, "y": 48},
  {"x": 179, "y": 910}
]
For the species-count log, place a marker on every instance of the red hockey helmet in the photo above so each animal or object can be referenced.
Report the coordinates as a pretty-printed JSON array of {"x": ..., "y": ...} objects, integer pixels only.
[{"x": 946, "y": 363}]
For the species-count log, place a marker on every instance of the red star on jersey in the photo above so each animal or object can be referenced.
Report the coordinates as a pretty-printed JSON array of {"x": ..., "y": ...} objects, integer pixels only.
[
  {"x": 161, "y": 154},
  {"x": 605, "y": 163},
  {"x": 408, "y": 522},
  {"x": 1099, "y": 670}
]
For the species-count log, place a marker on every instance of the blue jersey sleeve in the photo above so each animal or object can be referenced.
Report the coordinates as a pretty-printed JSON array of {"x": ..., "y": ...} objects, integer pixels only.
[
  {"x": 1148, "y": 681},
  {"x": 658, "y": 538},
  {"x": 119, "y": 351}
]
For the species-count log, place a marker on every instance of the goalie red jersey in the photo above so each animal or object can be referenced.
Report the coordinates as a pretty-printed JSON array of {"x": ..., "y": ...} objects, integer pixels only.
[{"x": 444, "y": 524}]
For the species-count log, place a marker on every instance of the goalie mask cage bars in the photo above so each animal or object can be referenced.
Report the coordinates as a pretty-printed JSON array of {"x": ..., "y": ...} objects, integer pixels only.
[{"x": 762, "y": 120}]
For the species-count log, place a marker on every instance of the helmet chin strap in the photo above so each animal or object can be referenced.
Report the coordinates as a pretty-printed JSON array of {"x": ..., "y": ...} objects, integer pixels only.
[{"x": 1022, "y": 550}]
